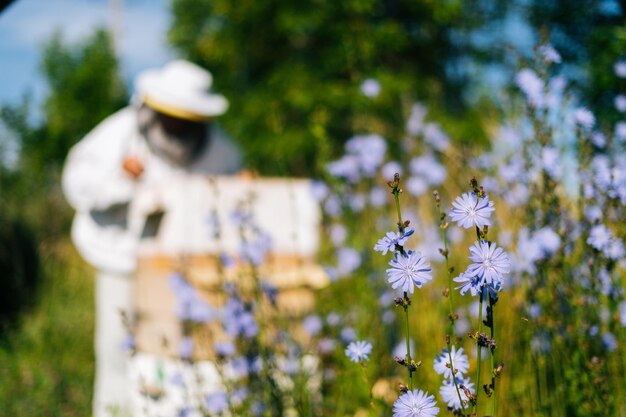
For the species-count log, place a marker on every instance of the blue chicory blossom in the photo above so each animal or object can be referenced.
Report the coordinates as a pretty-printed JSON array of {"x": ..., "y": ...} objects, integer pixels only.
[
  {"x": 614, "y": 250},
  {"x": 391, "y": 168},
  {"x": 289, "y": 365},
  {"x": 609, "y": 341},
  {"x": 598, "y": 139},
  {"x": 238, "y": 396},
  {"x": 369, "y": 151},
  {"x": 216, "y": 402},
  {"x": 347, "y": 334},
  {"x": 460, "y": 363},
  {"x": 237, "y": 320},
  {"x": 549, "y": 54},
  {"x": 370, "y": 88},
  {"x": 333, "y": 319},
  {"x": 184, "y": 412},
  {"x": 472, "y": 283},
  {"x": 551, "y": 162},
  {"x": 533, "y": 87},
  {"x": 177, "y": 380},
  {"x": 348, "y": 260},
  {"x": 312, "y": 324},
  {"x": 599, "y": 237},
  {"x": 189, "y": 304},
  {"x": 270, "y": 290},
  {"x": 416, "y": 185},
  {"x": 620, "y": 103},
  {"x": 469, "y": 210},
  {"x": 389, "y": 242},
  {"x": 255, "y": 251},
  {"x": 620, "y": 131},
  {"x": 584, "y": 118},
  {"x": 415, "y": 122},
  {"x": 326, "y": 345},
  {"x": 356, "y": 202},
  {"x": 378, "y": 196},
  {"x": 435, "y": 137},
  {"x": 128, "y": 344},
  {"x": 332, "y": 206},
  {"x": 449, "y": 393},
  {"x": 185, "y": 349},
  {"x": 225, "y": 348},
  {"x": 408, "y": 270},
  {"x": 338, "y": 234},
  {"x": 489, "y": 262},
  {"x": 620, "y": 68},
  {"x": 359, "y": 351},
  {"x": 238, "y": 367},
  {"x": 428, "y": 168},
  {"x": 347, "y": 167},
  {"x": 415, "y": 403},
  {"x": 319, "y": 190},
  {"x": 240, "y": 217}
]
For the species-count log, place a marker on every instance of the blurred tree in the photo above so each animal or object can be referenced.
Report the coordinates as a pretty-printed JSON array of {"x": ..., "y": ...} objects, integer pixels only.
[
  {"x": 591, "y": 37},
  {"x": 292, "y": 70},
  {"x": 84, "y": 88}
]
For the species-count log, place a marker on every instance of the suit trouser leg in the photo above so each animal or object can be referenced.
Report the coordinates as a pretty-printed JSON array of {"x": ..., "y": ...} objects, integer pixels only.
[{"x": 114, "y": 294}]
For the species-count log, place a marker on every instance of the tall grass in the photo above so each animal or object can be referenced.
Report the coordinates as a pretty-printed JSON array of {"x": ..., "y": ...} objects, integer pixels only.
[{"x": 46, "y": 364}]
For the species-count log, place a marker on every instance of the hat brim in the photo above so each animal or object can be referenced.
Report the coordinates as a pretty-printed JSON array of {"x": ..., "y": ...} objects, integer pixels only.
[{"x": 198, "y": 107}]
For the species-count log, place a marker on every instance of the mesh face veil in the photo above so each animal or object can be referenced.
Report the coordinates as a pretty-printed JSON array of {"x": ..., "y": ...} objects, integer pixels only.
[{"x": 177, "y": 140}]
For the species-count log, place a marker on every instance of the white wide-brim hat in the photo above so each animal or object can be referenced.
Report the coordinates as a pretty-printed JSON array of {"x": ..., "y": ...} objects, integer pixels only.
[{"x": 180, "y": 89}]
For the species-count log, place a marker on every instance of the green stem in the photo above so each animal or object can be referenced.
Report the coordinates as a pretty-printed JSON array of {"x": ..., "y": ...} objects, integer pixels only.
[
  {"x": 396, "y": 194},
  {"x": 480, "y": 330},
  {"x": 444, "y": 237},
  {"x": 366, "y": 380},
  {"x": 478, "y": 350},
  {"x": 408, "y": 344},
  {"x": 456, "y": 385},
  {"x": 396, "y": 197},
  {"x": 493, "y": 360}
]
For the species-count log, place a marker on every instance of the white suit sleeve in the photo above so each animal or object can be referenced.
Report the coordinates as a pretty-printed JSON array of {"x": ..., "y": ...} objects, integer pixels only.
[{"x": 93, "y": 177}]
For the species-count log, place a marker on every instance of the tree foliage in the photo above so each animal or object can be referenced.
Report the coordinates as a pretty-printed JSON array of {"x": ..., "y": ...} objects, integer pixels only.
[
  {"x": 292, "y": 70},
  {"x": 591, "y": 37},
  {"x": 85, "y": 87}
]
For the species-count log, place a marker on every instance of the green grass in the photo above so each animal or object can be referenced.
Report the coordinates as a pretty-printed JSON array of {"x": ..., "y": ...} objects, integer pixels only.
[{"x": 47, "y": 363}]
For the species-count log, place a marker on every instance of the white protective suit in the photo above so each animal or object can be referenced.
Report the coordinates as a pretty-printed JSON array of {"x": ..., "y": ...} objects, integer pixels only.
[{"x": 97, "y": 186}]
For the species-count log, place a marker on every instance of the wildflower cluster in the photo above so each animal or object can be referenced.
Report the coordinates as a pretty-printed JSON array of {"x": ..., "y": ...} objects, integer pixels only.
[
  {"x": 563, "y": 168},
  {"x": 483, "y": 278}
]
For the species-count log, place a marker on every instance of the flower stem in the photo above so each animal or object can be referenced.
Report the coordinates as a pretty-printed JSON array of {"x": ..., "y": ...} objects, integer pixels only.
[
  {"x": 493, "y": 360},
  {"x": 478, "y": 350},
  {"x": 443, "y": 226},
  {"x": 395, "y": 190},
  {"x": 396, "y": 193},
  {"x": 480, "y": 330},
  {"x": 408, "y": 344}
]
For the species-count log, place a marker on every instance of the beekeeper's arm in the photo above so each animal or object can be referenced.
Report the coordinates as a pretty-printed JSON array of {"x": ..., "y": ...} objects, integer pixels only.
[{"x": 94, "y": 177}]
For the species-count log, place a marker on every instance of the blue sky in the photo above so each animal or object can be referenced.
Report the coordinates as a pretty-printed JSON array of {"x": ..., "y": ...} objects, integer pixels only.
[{"x": 27, "y": 24}]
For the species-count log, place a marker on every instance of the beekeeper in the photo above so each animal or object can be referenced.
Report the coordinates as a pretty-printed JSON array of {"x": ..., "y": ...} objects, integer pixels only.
[{"x": 167, "y": 131}]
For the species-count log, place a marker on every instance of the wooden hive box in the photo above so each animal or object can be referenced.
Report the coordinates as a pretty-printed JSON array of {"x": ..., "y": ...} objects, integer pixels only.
[{"x": 187, "y": 223}]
